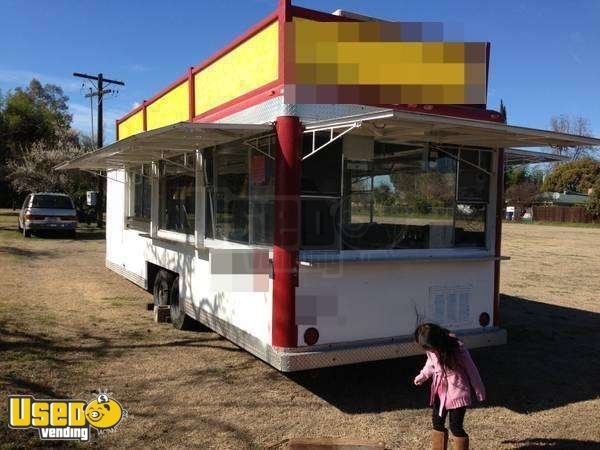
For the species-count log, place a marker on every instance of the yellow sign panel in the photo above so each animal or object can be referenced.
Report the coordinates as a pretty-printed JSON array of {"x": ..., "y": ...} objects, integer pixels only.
[
  {"x": 380, "y": 63},
  {"x": 132, "y": 125},
  {"x": 171, "y": 108},
  {"x": 249, "y": 66}
]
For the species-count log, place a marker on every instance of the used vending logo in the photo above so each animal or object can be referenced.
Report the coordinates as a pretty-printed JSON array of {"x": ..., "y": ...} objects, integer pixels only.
[{"x": 65, "y": 419}]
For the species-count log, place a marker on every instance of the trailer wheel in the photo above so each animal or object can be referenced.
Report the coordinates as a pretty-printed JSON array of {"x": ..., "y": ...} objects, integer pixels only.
[
  {"x": 162, "y": 288},
  {"x": 179, "y": 318}
]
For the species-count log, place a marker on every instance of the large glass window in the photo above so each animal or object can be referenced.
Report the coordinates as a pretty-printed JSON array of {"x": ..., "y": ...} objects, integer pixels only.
[
  {"x": 399, "y": 196},
  {"x": 403, "y": 198},
  {"x": 240, "y": 192},
  {"x": 140, "y": 198},
  {"x": 320, "y": 193},
  {"x": 177, "y": 194}
]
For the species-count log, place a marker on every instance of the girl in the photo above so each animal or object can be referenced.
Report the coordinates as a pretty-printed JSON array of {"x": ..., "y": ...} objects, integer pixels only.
[{"x": 453, "y": 372}]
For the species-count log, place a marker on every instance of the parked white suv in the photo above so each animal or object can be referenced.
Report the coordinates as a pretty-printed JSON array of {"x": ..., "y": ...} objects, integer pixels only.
[{"x": 48, "y": 211}]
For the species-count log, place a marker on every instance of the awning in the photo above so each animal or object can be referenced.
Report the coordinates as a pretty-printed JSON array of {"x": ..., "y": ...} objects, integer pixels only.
[
  {"x": 161, "y": 143},
  {"x": 409, "y": 127},
  {"x": 518, "y": 156}
]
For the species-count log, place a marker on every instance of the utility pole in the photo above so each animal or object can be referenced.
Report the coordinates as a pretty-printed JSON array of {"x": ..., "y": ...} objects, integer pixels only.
[{"x": 99, "y": 92}]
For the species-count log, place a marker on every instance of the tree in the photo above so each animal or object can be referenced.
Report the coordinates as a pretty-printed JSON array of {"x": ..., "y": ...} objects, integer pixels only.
[
  {"x": 593, "y": 203},
  {"x": 521, "y": 196},
  {"x": 27, "y": 116},
  {"x": 577, "y": 176},
  {"x": 521, "y": 174},
  {"x": 572, "y": 125},
  {"x": 503, "y": 111},
  {"x": 33, "y": 170}
]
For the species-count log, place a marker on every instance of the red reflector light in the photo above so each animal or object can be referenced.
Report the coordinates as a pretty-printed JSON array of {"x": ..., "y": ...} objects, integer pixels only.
[
  {"x": 33, "y": 217},
  {"x": 311, "y": 336},
  {"x": 484, "y": 319}
]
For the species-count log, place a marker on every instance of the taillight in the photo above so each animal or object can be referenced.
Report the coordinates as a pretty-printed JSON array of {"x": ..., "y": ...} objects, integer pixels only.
[
  {"x": 311, "y": 336},
  {"x": 484, "y": 319},
  {"x": 68, "y": 218},
  {"x": 34, "y": 217}
]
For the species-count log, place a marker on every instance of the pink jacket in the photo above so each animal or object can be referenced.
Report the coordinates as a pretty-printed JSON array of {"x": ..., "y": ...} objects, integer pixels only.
[{"x": 454, "y": 385}]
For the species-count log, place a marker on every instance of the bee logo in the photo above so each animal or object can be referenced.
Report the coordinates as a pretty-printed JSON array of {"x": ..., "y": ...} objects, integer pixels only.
[{"x": 104, "y": 413}]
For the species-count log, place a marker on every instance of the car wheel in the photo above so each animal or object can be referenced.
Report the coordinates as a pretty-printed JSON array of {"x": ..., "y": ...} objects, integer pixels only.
[
  {"x": 179, "y": 318},
  {"x": 162, "y": 288}
]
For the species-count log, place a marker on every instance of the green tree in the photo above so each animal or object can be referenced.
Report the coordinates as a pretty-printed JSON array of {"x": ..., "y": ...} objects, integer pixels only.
[
  {"x": 577, "y": 176},
  {"x": 37, "y": 113},
  {"x": 520, "y": 174},
  {"x": 593, "y": 204}
]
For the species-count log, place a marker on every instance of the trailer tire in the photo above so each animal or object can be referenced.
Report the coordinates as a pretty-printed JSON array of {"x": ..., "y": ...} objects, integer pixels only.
[
  {"x": 162, "y": 288},
  {"x": 179, "y": 318}
]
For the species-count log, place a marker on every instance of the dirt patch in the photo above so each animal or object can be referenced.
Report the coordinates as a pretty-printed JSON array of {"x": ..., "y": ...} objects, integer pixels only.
[{"x": 69, "y": 327}]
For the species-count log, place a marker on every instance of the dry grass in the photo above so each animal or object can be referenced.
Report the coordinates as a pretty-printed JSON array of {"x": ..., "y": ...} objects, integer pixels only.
[{"x": 69, "y": 327}]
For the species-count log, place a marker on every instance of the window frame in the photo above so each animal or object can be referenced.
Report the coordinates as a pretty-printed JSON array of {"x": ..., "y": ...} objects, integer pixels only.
[
  {"x": 133, "y": 222},
  {"x": 486, "y": 249}
]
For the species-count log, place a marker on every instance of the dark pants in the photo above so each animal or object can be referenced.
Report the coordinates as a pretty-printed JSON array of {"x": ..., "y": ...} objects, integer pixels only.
[{"x": 457, "y": 416}]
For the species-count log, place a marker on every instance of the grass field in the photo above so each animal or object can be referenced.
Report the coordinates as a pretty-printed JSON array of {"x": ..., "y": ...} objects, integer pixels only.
[{"x": 69, "y": 327}]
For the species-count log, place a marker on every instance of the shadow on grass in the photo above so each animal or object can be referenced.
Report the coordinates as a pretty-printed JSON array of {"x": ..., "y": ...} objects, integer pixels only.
[
  {"x": 94, "y": 234},
  {"x": 22, "y": 252},
  {"x": 44, "y": 348},
  {"x": 555, "y": 444},
  {"x": 552, "y": 359}
]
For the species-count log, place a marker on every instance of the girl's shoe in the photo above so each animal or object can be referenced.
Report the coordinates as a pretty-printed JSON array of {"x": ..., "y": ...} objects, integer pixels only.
[
  {"x": 460, "y": 443},
  {"x": 439, "y": 440}
]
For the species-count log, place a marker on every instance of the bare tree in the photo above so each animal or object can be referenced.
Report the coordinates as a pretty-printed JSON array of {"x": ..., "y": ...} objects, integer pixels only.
[
  {"x": 33, "y": 170},
  {"x": 522, "y": 196},
  {"x": 572, "y": 125}
]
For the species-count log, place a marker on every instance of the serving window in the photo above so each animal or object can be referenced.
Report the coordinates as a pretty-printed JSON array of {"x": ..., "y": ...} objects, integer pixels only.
[
  {"x": 240, "y": 192},
  {"x": 177, "y": 194},
  {"x": 395, "y": 196},
  {"x": 140, "y": 198}
]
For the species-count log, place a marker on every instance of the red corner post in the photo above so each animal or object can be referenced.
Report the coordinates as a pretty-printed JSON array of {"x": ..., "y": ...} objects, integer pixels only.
[
  {"x": 286, "y": 236},
  {"x": 498, "y": 237}
]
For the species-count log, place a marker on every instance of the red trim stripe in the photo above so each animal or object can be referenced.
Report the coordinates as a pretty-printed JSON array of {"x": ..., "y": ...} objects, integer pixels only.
[{"x": 192, "y": 93}]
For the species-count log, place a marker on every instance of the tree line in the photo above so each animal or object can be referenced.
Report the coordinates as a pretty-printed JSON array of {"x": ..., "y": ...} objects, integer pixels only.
[{"x": 36, "y": 134}]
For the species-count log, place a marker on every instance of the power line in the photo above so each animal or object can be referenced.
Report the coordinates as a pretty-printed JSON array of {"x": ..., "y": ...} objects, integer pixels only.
[{"x": 99, "y": 91}]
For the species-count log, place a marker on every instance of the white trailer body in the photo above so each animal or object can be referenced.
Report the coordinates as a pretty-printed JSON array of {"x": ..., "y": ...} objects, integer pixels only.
[
  {"x": 311, "y": 232},
  {"x": 350, "y": 304}
]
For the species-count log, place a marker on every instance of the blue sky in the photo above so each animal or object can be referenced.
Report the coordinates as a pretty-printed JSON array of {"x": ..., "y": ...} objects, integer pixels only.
[{"x": 545, "y": 55}]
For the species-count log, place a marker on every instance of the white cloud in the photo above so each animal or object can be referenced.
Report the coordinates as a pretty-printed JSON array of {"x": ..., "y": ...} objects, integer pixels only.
[
  {"x": 140, "y": 68},
  {"x": 135, "y": 105}
]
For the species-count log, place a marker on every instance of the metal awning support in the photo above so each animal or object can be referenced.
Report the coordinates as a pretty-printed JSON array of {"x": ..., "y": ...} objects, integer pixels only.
[
  {"x": 332, "y": 138},
  {"x": 464, "y": 161},
  {"x": 412, "y": 127},
  {"x": 519, "y": 156},
  {"x": 99, "y": 174},
  {"x": 254, "y": 144}
]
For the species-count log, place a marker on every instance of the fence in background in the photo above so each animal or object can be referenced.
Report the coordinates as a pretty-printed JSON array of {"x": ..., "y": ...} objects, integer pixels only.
[{"x": 561, "y": 214}]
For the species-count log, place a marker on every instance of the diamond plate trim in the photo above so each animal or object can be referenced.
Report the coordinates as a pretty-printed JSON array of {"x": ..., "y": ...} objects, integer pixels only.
[
  {"x": 298, "y": 359},
  {"x": 131, "y": 276},
  {"x": 269, "y": 110}
]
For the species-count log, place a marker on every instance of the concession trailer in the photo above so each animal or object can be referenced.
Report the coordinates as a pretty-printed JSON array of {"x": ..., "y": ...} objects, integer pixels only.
[{"x": 319, "y": 187}]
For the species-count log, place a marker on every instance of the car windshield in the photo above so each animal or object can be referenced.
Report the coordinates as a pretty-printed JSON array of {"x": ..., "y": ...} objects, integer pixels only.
[{"x": 52, "y": 202}]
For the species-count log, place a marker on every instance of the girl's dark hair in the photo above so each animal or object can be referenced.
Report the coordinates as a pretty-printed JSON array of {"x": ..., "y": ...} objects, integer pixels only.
[{"x": 435, "y": 338}]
